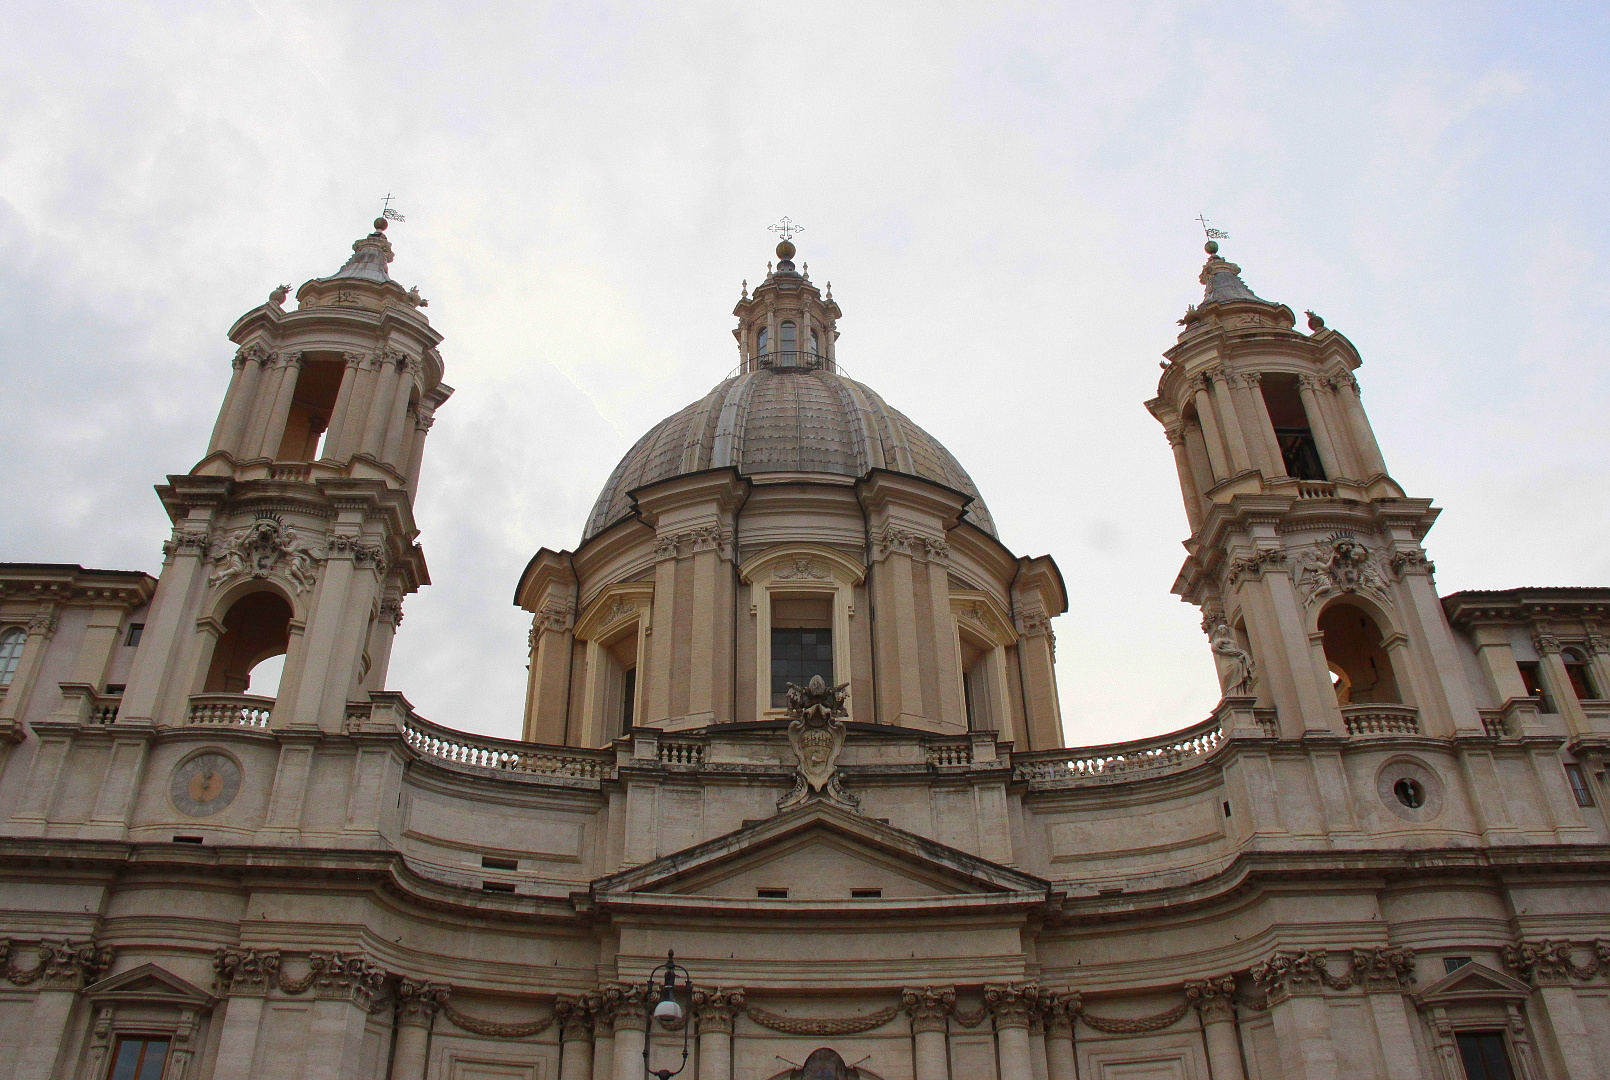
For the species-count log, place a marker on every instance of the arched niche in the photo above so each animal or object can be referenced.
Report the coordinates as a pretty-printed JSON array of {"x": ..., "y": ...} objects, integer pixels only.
[
  {"x": 984, "y": 632},
  {"x": 795, "y": 589},
  {"x": 255, "y": 626},
  {"x": 615, "y": 627}
]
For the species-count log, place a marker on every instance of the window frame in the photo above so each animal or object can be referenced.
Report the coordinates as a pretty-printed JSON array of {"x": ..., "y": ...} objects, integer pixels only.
[
  {"x": 801, "y": 569},
  {"x": 10, "y": 665}
]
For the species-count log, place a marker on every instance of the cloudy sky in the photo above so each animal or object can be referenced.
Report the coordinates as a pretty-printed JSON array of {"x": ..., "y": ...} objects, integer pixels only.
[{"x": 1002, "y": 194}]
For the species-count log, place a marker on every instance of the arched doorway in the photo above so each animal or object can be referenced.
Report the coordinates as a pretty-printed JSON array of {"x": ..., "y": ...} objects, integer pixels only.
[
  {"x": 1361, "y": 672},
  {"x": 256, "y": 627}
]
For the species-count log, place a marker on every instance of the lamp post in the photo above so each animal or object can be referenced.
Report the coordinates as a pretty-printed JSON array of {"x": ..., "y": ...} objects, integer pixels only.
[{"x": 667, "y": 1010}]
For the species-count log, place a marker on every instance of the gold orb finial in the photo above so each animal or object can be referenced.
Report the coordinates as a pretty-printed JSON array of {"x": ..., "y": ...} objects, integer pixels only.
[
  {"x": 785, "y": 250},
  {"x": 1211, "y": 247},
  {"x": 380, "y": 224}
]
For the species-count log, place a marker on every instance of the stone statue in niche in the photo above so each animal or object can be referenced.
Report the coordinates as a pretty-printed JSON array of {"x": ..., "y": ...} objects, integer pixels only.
[
  {"x": 817, "y": 736},
  {"x": 1234, "y": 663}
]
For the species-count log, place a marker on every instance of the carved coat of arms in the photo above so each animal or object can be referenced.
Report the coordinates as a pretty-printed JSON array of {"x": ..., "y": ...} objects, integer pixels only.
[
  {"x": 261, "y": 548},
  {"x": 1340, "y": 565},
  {"x": 817, "y": 735}
]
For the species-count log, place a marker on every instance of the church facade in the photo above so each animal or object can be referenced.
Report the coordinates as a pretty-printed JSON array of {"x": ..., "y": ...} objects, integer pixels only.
[{"x": 792, "y": 731}]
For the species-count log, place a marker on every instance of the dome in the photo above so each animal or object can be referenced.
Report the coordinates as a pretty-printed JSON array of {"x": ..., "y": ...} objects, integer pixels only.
[{"x": 784, "y": 420}]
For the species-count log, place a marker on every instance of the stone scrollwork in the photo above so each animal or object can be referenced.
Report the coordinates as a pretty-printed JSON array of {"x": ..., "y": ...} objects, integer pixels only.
[
  {"x": 817, "y": 736},
  {"x": 246, "y": 971},
  {"x": 265, "y": 547},
  {"x": 919, "y": 546},
  {"x": 1254, "y": 565},
  {"x": 575, "y": 1016},
  {"x": 418, "y": 1002},
  {"x": 1384, "y": 968},
  {"x": 692, "y": 541},
  {"x": 1550, "y": 962},
  {"x": 558, "y": 616},
  {"x": 43, "y": 623},
  {"x": 64, "y": 964},
  {"x": 928, "y": 1006},
  {"x": 1411, "y": 562},
  {"x": 1340, "y": 565},
  {"x": 186, "y": 542},
  {"x": 1299, "y": 971}
]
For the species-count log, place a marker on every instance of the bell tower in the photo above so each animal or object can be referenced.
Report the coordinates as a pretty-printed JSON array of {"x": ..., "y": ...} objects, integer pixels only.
[
  {"x": 295, "y": 533},
  {"x": 1305, "y": 555}
]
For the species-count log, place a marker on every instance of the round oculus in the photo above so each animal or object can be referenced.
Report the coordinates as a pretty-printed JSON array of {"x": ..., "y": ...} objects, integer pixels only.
[{"x": 205, "y": 784}]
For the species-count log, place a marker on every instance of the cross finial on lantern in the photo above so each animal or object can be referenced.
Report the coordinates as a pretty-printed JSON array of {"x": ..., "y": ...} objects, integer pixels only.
[
  {"x": 786, "y": 228},
  {"x": 1212, "y": 234},
  {"x": 388, "y": 212}
]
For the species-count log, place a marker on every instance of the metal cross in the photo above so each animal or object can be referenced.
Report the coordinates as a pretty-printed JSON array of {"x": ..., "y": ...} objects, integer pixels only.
[
  {"x": 1212, "y": 234},
  {"x": 786, "y": 229},
  {"x": 388, "y": 212}
]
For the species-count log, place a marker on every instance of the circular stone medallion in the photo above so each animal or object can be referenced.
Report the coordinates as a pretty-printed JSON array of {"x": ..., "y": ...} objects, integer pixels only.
[
  {"x": 1409, "y": 788},
  {"x": 205, "y": 784}
]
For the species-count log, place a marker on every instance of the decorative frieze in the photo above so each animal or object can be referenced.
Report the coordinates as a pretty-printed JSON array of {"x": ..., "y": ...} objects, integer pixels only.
[
  {"x": 800, "y": 568},
  {"x": 1553, "y": 963},
  {"x": 1377, "y": 969},
  {"x": 928, "y": 1006},
  {"x": 495, "y": 1030}
]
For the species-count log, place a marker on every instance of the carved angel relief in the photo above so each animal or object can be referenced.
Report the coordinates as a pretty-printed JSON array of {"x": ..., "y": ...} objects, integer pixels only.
[
  {"x": 260, "y": 549},
  {"x": 1340, "y": 565},
  {"x": 817, "y": 735}
]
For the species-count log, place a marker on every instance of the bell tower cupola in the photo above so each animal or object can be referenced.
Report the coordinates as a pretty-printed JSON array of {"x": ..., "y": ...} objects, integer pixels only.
[
  {"x": 1304, "y": 554},
  {"x": 294, "y": 535},
  {"x": 787, "y": 322}
]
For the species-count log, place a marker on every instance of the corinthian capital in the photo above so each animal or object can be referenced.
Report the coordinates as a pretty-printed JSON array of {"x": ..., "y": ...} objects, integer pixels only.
[
  {"x": 1213, "y": 998},
  {"x": 717, "y": 1008},
  {"x": 1012, "y": 1005},
  {"x": 928, "y": 1006},
  {"x": 419, "y": 1002}
]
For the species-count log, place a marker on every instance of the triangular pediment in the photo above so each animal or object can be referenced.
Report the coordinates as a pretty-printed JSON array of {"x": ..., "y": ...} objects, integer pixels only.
[
  {"x": 149, "y": 983},
  {"x": 821, "y": 853},
  {"x": 1474, "y": 982}
]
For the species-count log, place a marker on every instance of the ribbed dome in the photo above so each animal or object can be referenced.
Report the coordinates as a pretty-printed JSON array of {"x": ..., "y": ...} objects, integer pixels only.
[{"x": 790, "y": 420}]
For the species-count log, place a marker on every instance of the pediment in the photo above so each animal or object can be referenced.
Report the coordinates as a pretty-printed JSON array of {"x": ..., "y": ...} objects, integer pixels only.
[
  {"x": 1474, "y": 982},
  {"x": 820, "y": 852},
  {"x": 149, "y": 983}
]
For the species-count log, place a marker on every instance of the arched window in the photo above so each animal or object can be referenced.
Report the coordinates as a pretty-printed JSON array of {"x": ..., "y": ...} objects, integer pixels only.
[
  {"x": 1576, "y": 668},
  {"x": 760, "y": 342},
  {"x": 11, "y": 643},
  {"x": 257, "y": 627},
  {"x": 790, "y": 337},
  {"x": 1361, "y": 672}
]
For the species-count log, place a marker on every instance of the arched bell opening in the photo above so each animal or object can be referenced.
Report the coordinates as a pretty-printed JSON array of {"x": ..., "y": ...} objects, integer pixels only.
[
  {"x": 257, "y": 627},
  {"x": 1361, "y": 671}
]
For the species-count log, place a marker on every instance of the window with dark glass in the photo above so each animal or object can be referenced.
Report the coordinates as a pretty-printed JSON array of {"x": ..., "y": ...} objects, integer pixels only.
[
  {"x": 1579, "y": 785},
  {"x": 797, "y": 653},
  {"x": 136, "y": 631},
  {"x": 139, "y": 1059},
  {"x": 789, "y": 337},
  {"x": 11, "y": 643},
  {"x": 1576, "y": 669},
  {"x": 814, "y": 349},
  {"x": 1484, "y": 1056},
  {"x": 1532, "y": 678},
  {"x": 628, "y": 698}
]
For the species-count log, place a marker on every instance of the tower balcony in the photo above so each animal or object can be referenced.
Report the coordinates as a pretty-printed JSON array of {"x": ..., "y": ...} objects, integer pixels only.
[
  {"x": 793, "y": 360},
  {"x": 1380, "y": 719}
]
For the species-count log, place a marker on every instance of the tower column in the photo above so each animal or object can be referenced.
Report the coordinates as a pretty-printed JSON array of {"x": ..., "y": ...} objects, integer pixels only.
[
  {"x": 1309, "y": 387},
  {"x": 1011, "y": 1006},
  {"x": 1352, "y": 404},
  {"x": 336, "y": 434},
  {"x": 231, "y": 408},
  {"x": 1256, "y": 414},
  {"x": 1182, "y": 465},
  {"x": 1229, "y": 423},
  {"x": 383, "y": 392},
  {"x": 1212, "y": 440},
  {"x": 283, "y": 393}
]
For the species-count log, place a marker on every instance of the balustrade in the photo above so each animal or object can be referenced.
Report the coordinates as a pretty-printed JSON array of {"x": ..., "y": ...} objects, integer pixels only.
[
  {"x": 950, "y": 753},
  {"x": 500, "y": 755},
  {"x": 1098, "y": 763},
  {"x": 248, "y": 710},
  {"x": 679, "y": 752},
  {"x": 1381, "y": 719}
]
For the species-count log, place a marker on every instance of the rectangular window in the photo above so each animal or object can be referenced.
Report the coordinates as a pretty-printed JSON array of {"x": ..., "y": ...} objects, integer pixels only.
[
  {"x": 766, "y": 892},
  {"x": 1483, "y": 1055},
  {"x": 113, "y": 689},
  {"x": 139, "y": 1059},
  {"x": 1579, "y": 785},
  {"x": 1581, "y": 685},
  {"x": 136, "y": 631},
  {"x": 492, "y": 862},
  {"x": 497, "y": 886},
  {"x": 866, "y": 894},
  {"x": 1532, "y": 676},
  {"x": 797, "y": 653}
]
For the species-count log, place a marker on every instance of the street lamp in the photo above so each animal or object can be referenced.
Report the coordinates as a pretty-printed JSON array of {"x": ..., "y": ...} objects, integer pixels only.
[{"x": 668, "y": 1011}]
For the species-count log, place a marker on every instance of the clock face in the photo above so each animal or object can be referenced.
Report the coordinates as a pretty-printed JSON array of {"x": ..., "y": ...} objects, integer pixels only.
[{"x": 205, "y": 784}]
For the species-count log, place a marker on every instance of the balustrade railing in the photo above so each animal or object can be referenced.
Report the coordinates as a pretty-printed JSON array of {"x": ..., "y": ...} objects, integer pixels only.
[
  {"x": 950, "y": 753},
  {"x": 104, "y": 712},
  {"x": 790, "y": 358},
  {"x": 483, "y": 752},
  {"x": 1315, "y": 489},
  {"x": 1178, "y": 749},
  {"x": 681, "y": 752},
  {"x": 1381, "y": 719},
  {"x": 291, "y": 470},
  {"x": 247, "y": 710}
]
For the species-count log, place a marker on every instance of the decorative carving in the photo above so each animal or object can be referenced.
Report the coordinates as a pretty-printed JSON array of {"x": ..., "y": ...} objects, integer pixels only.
[
  {"x": 817, "y": 736},
  {"x": 1595, "y": 642},
  {"x": 1061, "y": 1008},
  {"x": 246, "y": 971},
  {"x": 1214, "y": 998},
  {"x": 391, "y": 611},
  {"x": 717, "y": 1008},
  {"x": 1175, "y": 434},
  {"x": 1411, "y": 562},
  {"x": 1340, "y": 565},
  {"x": 620, "y": 609},
  {"x": 1255, "y": 564},
  {"x": 1545, "y": 642},
  {"x": 414, "y": 299},
  {"x": 186, "y": 542},
  {"x": 254, "y": 353},
  {"x": 558, "y": 616},
  {"x": 346, "y": 976},
  {"x": 575, "y": 1016},
  {"x": 1301, "y": 971},
  {"x": 1549, "y": 962},
  {"x": 1315, "y": 323},
  {"x": 419, "y": 1002},
  {"x": 893, "y": 538},
  {"x": 1012, "y": 1005},
  {"x": 928, "y": 1007},
  {"x": 362, "y": 552},
  {"x": 831, "y": 1025},
  {"x": 1236, "y": 670},
  {"x": 1140, "y": 1024},
  {"x": 1032, "y": 620},
  {"x": 627, "y": 1004},
  {"x": 691, "y": 541},
  {"x": 799, "y": 569},
  {"x": 1384, "y": 968},
  {"x": 44, "y": 623},
  {"x": 278, "y": 295},
  {"x": 266, "y": 546},
  {"x": 63, "y": 964},
  {"x": 493, "y": 1030}
]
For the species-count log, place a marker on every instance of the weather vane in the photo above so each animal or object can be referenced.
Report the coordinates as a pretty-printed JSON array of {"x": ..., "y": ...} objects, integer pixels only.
[
  {"x": 1212, "y": 234},
  {"x": 786, "y": 229},
  {"x": 388, "y": 212}
]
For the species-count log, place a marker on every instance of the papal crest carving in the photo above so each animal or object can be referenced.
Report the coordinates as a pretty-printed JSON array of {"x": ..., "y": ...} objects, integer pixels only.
[
  {"x": 264, "y": 547},
  {"x": 817, "y": 735}
]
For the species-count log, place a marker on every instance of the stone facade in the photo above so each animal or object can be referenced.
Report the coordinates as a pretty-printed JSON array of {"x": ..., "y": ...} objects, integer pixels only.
[{"x": 1384, "y": 852}]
